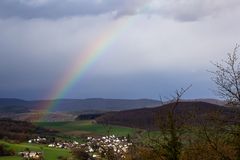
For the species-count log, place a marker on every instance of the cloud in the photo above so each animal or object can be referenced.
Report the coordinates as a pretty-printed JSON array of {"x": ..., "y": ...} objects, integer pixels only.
[
  {"x": 153, "y": 55},
  {"x": 64, "y": 8},
  {"x": 183, "y": 10}
]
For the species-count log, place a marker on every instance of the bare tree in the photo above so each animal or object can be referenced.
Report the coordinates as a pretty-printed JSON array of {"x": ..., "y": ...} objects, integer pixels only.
[
  {"x": 227, "y": 78},
  {"x": 169, "y": 144},
  {"x": 173, "y": 144}
]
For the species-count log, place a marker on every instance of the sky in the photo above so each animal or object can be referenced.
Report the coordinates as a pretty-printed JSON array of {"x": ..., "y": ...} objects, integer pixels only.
[{"x": 167, "y": 45}]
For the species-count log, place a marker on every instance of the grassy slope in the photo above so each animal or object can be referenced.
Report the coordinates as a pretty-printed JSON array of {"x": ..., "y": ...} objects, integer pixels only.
[
  {"x": 66, "y": 127},
  {"x": 11, "y": 158},
  {"x": 49, "y": 153},
  {"x": 86, "y": 127}
]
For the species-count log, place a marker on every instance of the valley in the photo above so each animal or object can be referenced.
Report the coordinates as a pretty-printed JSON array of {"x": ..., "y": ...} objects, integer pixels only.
[{"x": 139, "y": 125}]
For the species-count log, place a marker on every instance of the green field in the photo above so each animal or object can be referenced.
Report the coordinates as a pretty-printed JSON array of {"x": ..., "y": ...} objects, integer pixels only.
[
  {"x": 69, "y": 131},
  {"x": 49, "y": 153},
  {"x": 79, "y": 128}
]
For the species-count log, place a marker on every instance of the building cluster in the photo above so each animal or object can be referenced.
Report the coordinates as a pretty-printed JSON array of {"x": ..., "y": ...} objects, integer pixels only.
[
  {"x": 96, "y": 147},
  {"x": 65, "y": 145},
  {"x": 38, "y": 140},
  {"x": 31, "y": 155},
  {"x": 60, "y": 144},
  {"x": 100, "y": 147}
]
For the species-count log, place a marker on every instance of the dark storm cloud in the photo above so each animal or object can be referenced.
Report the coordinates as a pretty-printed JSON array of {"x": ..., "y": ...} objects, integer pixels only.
[
  {"x": 64, "y": 8},
  {"x": 51, "y": 9}
]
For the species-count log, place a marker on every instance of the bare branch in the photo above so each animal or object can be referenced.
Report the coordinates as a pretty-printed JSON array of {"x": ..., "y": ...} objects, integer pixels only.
[{"x": 227, "y": 77}]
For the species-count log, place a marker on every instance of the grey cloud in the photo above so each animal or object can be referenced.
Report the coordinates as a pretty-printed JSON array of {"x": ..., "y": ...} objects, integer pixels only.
[
  {"x": 57, "y": 9},
  {"x": 183, "y": 10},
  {"x": 35, "y": 53},
  {"x": 193, "y": 10},
  {"x": 49, "y": 9}
]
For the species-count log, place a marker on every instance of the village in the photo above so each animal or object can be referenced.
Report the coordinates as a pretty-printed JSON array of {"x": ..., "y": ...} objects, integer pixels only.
[{"x": 96, "y": 147}]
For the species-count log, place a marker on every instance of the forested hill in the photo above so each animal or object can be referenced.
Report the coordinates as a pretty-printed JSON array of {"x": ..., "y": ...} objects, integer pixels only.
[
  {"x": 70, "y": 105},
  {"x": 148, "y": 118},
  {"x": 21, "y": 130}
]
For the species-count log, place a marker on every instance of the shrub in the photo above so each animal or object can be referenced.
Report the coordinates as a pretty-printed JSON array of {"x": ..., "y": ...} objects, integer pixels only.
[
  {"x": 80, "y": 154},
  {"x": 5, "y": 151}
]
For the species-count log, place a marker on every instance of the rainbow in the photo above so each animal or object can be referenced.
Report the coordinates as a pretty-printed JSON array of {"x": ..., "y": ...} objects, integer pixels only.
[{"x": 86, "y": 59}]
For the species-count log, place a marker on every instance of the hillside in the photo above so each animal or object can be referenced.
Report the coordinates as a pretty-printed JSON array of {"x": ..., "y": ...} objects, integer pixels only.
[
  {"x": 12, "y": 101},
  {"x": 13, "y": 109},
  {"x": 93, "y": 104},
  {"x": 69, "y": 109},
  {"x": 146, "y": 118},
  {"x": 21, "y": 130}
]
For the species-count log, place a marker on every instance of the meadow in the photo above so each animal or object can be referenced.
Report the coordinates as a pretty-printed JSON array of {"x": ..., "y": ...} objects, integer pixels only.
[
  {"x": 86, "y": 127},
  {"x": 71, "y": 130},
  {"x": 49, "y": 153}
]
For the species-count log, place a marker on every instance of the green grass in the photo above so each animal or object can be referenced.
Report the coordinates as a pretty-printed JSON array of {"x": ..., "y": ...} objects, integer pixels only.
[
  {"x": 87, "y": 127},
  {"x": 49, "y": 153},
  {"x": 11, "y": 158}
]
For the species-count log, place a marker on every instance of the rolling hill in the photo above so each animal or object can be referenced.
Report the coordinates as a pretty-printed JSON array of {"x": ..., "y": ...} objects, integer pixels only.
[
  {"x": 12, "y": 101},
  {"x": 21, "y": 130},
  {"x": 69, "y": 109},
  {"x": 72, "y": 105},
  {"x": 147, "y": 118}
]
